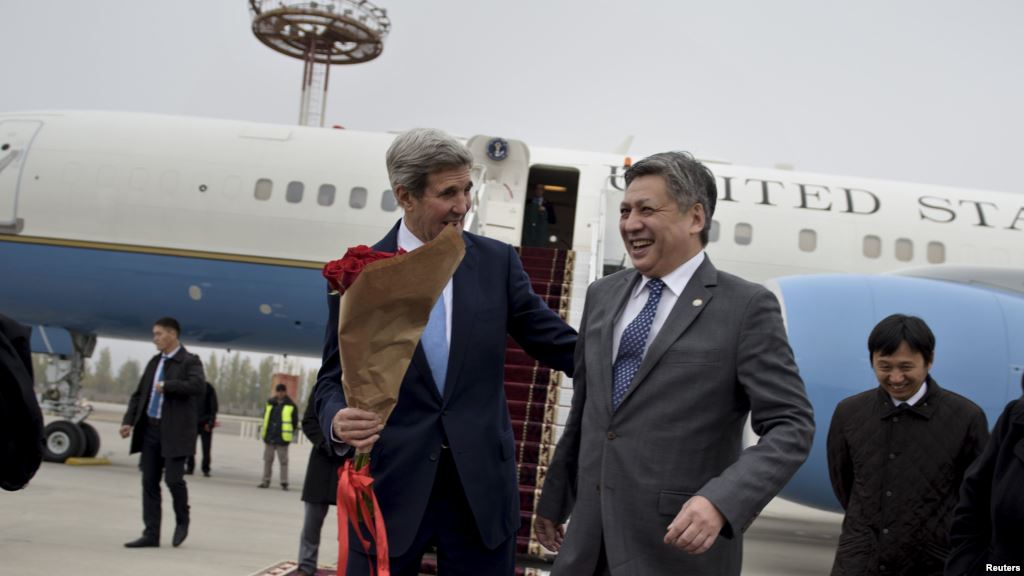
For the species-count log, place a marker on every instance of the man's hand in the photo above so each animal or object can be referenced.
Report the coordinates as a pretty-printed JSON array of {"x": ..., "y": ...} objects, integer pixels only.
[
  {"x": 549, "y": 535},
  {"x": 125, "y": 430},
  {"x": 357, "y": 428},
  {"x": 160, "y": 386},
  {"x": 696, "y": 527}
]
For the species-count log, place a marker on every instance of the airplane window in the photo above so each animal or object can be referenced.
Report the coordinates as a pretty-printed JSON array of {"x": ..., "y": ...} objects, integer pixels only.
[
  {"x": 715, "y": 232},
  {"x": 872, "y": 246},
  {"x": 357, "y": 197},
  {"x": 138, "y": 179},
  {"x": 293, "y": 193},
  {"x": 744, "y": 233},
  {"x": 808, "y": 240},
  {"x": 325, "y": 197},
  {"x": 106, "y": 177},
  {"x": 263, "y": 188},
  {"x": 388, "y": 202},
  {"x": 904, "y": 249},
  {"x": 936, "y": 252}
]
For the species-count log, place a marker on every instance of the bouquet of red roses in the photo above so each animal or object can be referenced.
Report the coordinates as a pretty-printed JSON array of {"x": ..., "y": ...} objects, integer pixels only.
[
  {"x": 340, "y": 274},
  {"x": 385, "y": 304}
]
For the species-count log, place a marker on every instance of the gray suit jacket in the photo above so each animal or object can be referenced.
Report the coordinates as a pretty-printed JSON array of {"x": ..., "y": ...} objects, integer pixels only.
[{"x": 678, "y": 432}]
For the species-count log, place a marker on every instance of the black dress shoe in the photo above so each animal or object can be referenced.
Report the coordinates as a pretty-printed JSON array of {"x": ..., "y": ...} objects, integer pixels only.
[
  {"x": 180, "y": 533},
  {"x": 144, "y": 542},
  {"x": 206, "y": 473}
]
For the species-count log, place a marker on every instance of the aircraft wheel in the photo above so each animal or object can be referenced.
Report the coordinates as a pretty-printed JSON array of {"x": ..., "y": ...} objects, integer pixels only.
[
  {"x": 63, "y": 440},
  {"x": 92, "y": 440}
]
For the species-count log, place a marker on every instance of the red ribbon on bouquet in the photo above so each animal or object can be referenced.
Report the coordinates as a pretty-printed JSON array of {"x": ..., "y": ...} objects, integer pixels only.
[{"x": 357, "y": 500}]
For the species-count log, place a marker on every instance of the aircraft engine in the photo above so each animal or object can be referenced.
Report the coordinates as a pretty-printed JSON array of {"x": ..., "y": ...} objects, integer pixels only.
[{"x": 979, "y": 348}]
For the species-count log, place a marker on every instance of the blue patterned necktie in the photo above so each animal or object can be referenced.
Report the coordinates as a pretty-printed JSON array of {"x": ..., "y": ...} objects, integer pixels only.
[
  {"x": 156, "y": 399},
  {"x": 435, "y": 343},
  {"x": 631, "y": 346}
]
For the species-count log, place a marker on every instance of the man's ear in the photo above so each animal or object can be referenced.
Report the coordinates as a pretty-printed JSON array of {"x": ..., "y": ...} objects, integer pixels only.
[
  {"x": 403, "y": 197},
  {"x": 699, "y": 218}
]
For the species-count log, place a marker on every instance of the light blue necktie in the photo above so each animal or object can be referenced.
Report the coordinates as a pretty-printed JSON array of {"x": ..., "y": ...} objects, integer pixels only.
[
  {"x": 156, "y": 399},
  {"x": 435, "y": 343},
  {"x": 631, "y": 346}
]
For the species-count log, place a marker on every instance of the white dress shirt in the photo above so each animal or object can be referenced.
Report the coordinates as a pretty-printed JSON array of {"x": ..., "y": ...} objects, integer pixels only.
[
  {"x": 159, "y": 372},
  {"x": 913, "y": 400},
  {"x": 675, "y": 282},
  {"x": 408, "y": 241}
]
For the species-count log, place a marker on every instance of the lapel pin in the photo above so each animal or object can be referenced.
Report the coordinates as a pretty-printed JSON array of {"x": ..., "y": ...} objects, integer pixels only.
[{"x": 697, "y": 301}]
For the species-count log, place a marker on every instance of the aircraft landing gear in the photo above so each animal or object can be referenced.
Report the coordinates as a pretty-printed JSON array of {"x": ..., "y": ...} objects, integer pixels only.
[{"x": 70, "y": 437}]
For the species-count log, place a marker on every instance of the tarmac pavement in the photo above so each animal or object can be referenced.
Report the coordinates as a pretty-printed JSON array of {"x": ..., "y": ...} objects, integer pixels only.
[{"x": 75, "y": 519}]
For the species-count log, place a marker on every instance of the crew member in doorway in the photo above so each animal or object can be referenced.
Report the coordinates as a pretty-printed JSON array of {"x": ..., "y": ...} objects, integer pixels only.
[{"x": 540, "y": 212}]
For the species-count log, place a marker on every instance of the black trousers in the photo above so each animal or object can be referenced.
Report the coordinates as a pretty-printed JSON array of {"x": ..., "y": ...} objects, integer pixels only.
[
  {"x": 448, "y": 525},
  {"x": 206, "y": 440},
  {"x": 173, "y": 470}
]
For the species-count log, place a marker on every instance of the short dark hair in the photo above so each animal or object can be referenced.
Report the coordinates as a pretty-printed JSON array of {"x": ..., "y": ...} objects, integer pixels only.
[
  {"x": 896, "y": 329},
  {"x": 168, "y": 322},
  {"x": 687, "y": 180},
  {"x": 280, "y": 388}
]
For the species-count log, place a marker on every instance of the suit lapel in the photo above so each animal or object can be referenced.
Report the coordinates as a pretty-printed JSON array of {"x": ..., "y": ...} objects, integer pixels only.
[
  {"x": 683, "y": 314},
  {"x": 618, "y": 296},
  {"x": 466, "y": 285}
]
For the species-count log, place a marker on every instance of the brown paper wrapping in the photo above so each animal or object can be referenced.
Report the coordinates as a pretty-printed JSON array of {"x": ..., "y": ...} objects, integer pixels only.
[{"x": 383, "y": 314}]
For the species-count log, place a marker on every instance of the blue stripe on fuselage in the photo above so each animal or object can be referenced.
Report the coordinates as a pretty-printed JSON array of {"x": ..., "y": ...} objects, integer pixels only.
[{"x": 119, "y": 294}]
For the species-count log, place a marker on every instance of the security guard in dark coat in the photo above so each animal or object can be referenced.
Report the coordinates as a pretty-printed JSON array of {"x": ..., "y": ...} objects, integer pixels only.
[
  {"x": 21, "y": 421},
  {"x": 320, "y": 488},
  {"x": 161, "y": 419}
]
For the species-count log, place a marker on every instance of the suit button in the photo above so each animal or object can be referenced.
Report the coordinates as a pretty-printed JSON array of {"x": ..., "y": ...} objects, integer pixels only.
[
  {"x": 895, "y": 418},
  {"x": 611, "y": 435},
  {"x": 885, "y": 530},
  {"x": 888, "y": 492},
  {"x": 892, "y": 456},
  {"x": 433, "y": 457}
]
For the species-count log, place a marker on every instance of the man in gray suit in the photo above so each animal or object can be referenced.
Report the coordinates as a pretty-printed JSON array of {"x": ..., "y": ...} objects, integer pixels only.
[{"x": 651, "y": 463}]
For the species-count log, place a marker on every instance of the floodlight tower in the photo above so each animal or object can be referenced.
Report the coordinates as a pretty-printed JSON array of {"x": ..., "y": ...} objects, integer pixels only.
[{"x": 320, "y": 34}]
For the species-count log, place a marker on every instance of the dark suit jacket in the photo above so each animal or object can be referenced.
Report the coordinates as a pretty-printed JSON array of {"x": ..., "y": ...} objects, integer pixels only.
[
  {"x": 184, "y": 384},
  {"x": 492, "y": 299},
  {"x": 21, "y": 421},
  {"x": 321, "y": 484},
  {"x": 208, "y": 406},
  {"x": 678, "y": 432},
  {"x": 988, "y": 524}
]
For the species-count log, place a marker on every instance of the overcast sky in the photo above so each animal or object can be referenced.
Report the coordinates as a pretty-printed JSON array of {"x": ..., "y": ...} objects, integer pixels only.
[{"x": 925, "y": 91}]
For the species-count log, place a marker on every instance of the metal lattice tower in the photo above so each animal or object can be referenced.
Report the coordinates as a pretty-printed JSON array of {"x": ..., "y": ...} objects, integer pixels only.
[{"x": 320, "y": 34}]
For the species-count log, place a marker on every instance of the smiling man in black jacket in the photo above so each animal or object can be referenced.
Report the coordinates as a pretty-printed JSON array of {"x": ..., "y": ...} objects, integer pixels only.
[{"x": 897, "y": 455}]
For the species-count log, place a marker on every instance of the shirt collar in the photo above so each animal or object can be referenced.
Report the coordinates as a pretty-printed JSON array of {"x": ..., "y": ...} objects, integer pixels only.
[
  {"x": 406, "y": 239},
  {"x": 677, "y": 279},
  {"x": 172, "y": 354},
  {"x": 913, "y": 400}
]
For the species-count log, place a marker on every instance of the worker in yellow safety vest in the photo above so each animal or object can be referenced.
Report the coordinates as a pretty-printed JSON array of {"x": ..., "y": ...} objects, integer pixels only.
[{"x": 280, "y": 418}]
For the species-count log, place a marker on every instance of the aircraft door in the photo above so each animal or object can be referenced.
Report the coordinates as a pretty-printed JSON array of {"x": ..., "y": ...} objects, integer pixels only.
[{"x": 15, "y": 139}]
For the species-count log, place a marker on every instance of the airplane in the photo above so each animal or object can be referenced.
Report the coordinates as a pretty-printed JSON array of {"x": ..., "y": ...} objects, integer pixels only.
[{"x": 108, "y": 219}]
